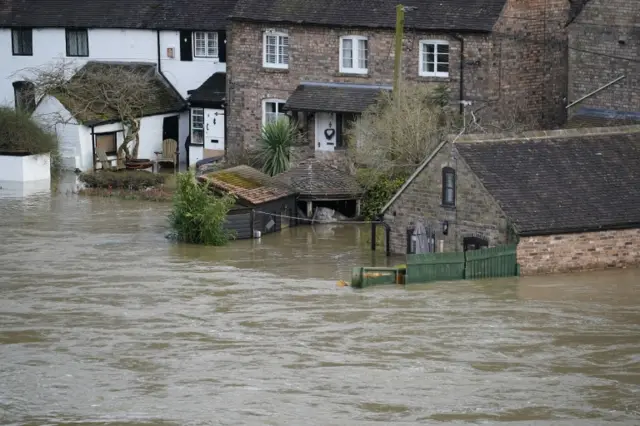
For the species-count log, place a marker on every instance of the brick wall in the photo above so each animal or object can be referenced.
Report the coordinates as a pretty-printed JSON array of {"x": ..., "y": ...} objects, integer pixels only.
[
  {"x": 475, "y": 214},
  {"x": 579, "y": 252},
  {"x": 519, "y": 70},
  {"x": 600, "y": 28}
]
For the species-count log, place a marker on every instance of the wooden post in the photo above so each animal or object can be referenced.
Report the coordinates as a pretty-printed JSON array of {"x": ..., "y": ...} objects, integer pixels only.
[{"x": 398, "y": 49}]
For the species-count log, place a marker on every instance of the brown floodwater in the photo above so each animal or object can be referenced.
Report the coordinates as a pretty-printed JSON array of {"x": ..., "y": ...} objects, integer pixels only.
[{"x": 105, "y": 322}]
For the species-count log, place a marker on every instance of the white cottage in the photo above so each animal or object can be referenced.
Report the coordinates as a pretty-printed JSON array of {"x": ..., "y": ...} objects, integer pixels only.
[
  {"x": 186, "y": 40},
  {"x": 82, "y": 130}
]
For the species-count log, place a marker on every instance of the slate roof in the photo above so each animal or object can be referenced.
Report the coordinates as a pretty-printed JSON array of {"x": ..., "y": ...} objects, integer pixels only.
[
  {"x": 146, "y": 14},
  {"x": 162, "y": 97},
  {"x": 315, "y": 179},
  {"x": 251, "y": 186},
  {"x": 562, "y": 184},
  {"x": 333, "y": 97},
  {"x": 463, "y": 15},
  {"x": 213, "y": 90}
]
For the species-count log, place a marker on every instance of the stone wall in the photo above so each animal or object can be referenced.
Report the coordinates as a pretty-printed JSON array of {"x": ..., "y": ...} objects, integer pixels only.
[
  {"x": 579, "y": 252},
  {"x": 609, "y": 29},
  {"x": 517, "y": 73},
  {"x": 475, "y": 213}
]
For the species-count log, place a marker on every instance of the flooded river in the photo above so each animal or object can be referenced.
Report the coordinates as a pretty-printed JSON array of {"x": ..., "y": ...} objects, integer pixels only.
[{"x": 104, "y": 322}]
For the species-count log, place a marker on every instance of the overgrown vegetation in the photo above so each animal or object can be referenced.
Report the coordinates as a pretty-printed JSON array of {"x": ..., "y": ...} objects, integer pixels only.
[
  {"x": 133, "y": 180},
  {"x": 276, "y": 139},
  {"x": 20, "y": 134},
  {"x": 380, "y": 188},
  {"x": 161, "y": 194},
  {"x": 198, "y": 216}
]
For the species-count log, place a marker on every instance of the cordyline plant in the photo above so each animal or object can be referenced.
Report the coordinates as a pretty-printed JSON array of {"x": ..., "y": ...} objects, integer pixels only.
[
  {"x": 276, "y": 139},
  {"x": 98, "y": 92},
  {"x": 197, "y": 215}
]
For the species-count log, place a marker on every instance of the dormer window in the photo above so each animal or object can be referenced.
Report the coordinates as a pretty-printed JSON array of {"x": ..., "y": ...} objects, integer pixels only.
[
  {"x": 276, "y": 49},
  {"x": 354, "y": 55}
]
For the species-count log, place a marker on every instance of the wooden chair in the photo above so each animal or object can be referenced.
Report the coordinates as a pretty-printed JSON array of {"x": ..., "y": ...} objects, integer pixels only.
[
  {"x": 106, "y": 163},
  {"x": 169, "y": 152}
]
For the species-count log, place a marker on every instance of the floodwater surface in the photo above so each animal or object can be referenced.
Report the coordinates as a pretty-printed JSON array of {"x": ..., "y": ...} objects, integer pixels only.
[{"x": 105, "y": 322}]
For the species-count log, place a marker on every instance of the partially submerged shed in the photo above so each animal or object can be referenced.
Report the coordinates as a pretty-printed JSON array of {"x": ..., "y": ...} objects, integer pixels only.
[
  {"x": 322, "y": 185},
  {"x": 263, "y": 205}
]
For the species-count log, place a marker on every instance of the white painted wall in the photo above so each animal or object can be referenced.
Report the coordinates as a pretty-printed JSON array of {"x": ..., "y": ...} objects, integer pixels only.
[
  {"x": 49, "y": 45},
  {"x": 184, "y": 133},
  {"x": 185, "y": 75},
  {"x": 28, "y": 168}
]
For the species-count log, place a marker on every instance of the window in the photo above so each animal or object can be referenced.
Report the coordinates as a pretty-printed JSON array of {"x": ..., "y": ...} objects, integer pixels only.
[
  {"x": 412, "y": 241},
  {"x": 205, "y": 44},
  {"x": 272, "y": 110},
  {"x": 434, "y": 58},
  {"x": 106, "y": 142},
  {"x": 24, "y": 93},
  {"x": 448, "y": 187},
  {"x": 197, "y": 125},
  {"x": 77, "y": 43},
  {"x": 276, "y": 50},
  {"x": 354, "y": 54},
  {"x": 22, "y": 41}
]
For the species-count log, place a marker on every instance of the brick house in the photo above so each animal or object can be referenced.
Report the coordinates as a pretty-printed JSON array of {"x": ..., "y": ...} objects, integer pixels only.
[
  {"x": 569, "y": 198},
  {"x": 604, "y": 58},
  {"x": 323, "y": 62}
]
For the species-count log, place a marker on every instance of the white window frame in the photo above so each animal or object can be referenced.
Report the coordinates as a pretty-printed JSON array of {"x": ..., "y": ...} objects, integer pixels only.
[
  {"x": 421, "y": 61},
  {"x": 278, "y": 112},
  {"x": 197, "y": 112},
  {"x": 281, "y": 60},
  {"x": 206, "y": 36},
  {"x": 355, "y": 49}
]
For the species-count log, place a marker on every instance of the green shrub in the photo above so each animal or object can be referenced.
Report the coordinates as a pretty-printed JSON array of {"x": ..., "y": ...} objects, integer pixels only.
[
  {"x": 132, "y": 179},
  {"x": 197, "y": 215},
  {"x": 276, "y": 140},
  {"x": 380, "y": 189}
]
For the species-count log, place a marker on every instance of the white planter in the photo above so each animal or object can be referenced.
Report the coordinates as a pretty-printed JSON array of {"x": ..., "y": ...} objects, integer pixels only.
[{"x": 25, "y": 168}]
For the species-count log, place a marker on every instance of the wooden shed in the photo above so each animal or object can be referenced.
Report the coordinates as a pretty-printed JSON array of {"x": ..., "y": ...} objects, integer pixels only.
[{"x": 263, "y": 205}]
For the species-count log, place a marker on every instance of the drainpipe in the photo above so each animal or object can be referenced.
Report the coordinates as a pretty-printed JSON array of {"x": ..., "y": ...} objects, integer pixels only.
[
  {"x": 93, "y": 148},
  {"x": 461, "y": 40}
]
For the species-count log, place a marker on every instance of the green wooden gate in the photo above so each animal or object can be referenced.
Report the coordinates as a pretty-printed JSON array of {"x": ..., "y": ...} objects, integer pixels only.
[
  {"x": 425, "y": 267},
  {"x": 491, "y": 262}
]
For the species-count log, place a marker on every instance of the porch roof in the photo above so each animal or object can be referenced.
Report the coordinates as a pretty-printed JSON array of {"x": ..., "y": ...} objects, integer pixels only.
[
  {"x": 211, "y": 93},
  {"x": 333, "y": 97}
]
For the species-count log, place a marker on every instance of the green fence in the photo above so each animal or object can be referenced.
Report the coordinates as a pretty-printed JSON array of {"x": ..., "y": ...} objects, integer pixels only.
[{"x": 426, "y": 267}]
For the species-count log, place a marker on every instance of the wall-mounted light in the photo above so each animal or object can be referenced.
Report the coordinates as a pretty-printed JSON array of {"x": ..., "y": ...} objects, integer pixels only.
[{"x": 445, "y": 227}]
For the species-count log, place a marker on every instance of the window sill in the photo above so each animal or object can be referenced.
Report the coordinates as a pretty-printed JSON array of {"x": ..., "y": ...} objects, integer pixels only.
[
  {"x": 77, "y": 56},
  {"x": 23, "y": 54},
  {"x": 275, "y": 69},
  {"x": 434, "y": 78},
  {"x": 448, "y": 206},
  {"x": 353, "y": 74},
  {"x": 214, "y": 59}
]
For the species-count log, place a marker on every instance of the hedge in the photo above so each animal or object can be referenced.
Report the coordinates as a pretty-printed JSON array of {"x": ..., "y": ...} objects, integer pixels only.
[{"x": 132, "y": 179}]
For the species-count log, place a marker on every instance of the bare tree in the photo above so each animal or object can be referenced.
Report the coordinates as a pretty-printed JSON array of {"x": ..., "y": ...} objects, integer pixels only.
[{"x": 100, "y": 92}]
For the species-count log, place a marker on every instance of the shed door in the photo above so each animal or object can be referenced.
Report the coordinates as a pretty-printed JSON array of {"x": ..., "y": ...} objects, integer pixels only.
[{"x": 214, "y": 129}]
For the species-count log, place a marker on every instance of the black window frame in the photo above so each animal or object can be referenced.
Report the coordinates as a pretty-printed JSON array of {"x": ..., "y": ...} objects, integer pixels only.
[
  {"x": 75, "y": 31},
  {"x": 24, "y": 96},
  {"x": 21, "y": 32},
  {"x": 448, "y": 171}
]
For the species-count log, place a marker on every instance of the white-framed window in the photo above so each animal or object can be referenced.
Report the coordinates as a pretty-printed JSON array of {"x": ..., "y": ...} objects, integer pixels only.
[
  {"x": 275, "y": 49},
  {"x": 205, "y": 44},
  {"x": 197, "y": 125},
  {"x": 354, "y": 54},
  {"x": 434, "y": 58},
  {"x": 272, "y": 110}
]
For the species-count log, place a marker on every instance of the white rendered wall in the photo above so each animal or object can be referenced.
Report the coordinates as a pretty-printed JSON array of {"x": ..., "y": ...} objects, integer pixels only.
[{"x": 28, "y": 168}]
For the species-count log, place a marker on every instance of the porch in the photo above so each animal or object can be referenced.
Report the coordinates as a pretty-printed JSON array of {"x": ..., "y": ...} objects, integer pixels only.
[{"x": 208, "y": 121}]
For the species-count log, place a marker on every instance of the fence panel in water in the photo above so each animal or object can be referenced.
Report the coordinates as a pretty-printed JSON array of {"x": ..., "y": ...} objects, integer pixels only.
[
  {"x": 491, "y": 262},
  {"x": 425, "y": 267}
]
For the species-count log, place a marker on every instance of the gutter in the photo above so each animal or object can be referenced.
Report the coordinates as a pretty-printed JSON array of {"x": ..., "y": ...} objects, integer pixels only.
[{"x": 557, "y": 231}]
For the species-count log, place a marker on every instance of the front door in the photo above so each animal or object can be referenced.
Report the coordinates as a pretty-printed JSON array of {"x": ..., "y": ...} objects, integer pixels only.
[
  {"x": 326, "y": 131},
  {"x": 214, "y": 130}
]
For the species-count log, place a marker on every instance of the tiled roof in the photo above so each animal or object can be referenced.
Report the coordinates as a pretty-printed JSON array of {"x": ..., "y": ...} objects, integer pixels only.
[
  {"x": 146, "y": 14},
  {"x": 248, "y": 184},
  {"x": 562, "y": 184},
  {"x": 470, "y": 15},
  {"x": 316, "y": 179},
  {"x": 213, "y": 90},
  {"x": 162, "y": 98},
  {"x": 333, "y": 97}
]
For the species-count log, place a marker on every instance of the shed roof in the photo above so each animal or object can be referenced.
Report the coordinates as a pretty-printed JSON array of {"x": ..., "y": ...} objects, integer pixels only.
[
  {"x": 462, "y": 15},
  {"x": 315, "y": 179},
  {"x": 333, "y": 97},
  {"x": 562, "y": 181},
  {"x": 140, "y": 14},
  {"x": 211, "y": 92},
  {"x": 251, "y": 186}
]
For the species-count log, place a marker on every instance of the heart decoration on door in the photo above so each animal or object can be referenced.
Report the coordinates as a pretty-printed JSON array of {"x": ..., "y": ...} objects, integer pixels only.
[{"x": 329, "y": 133}]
